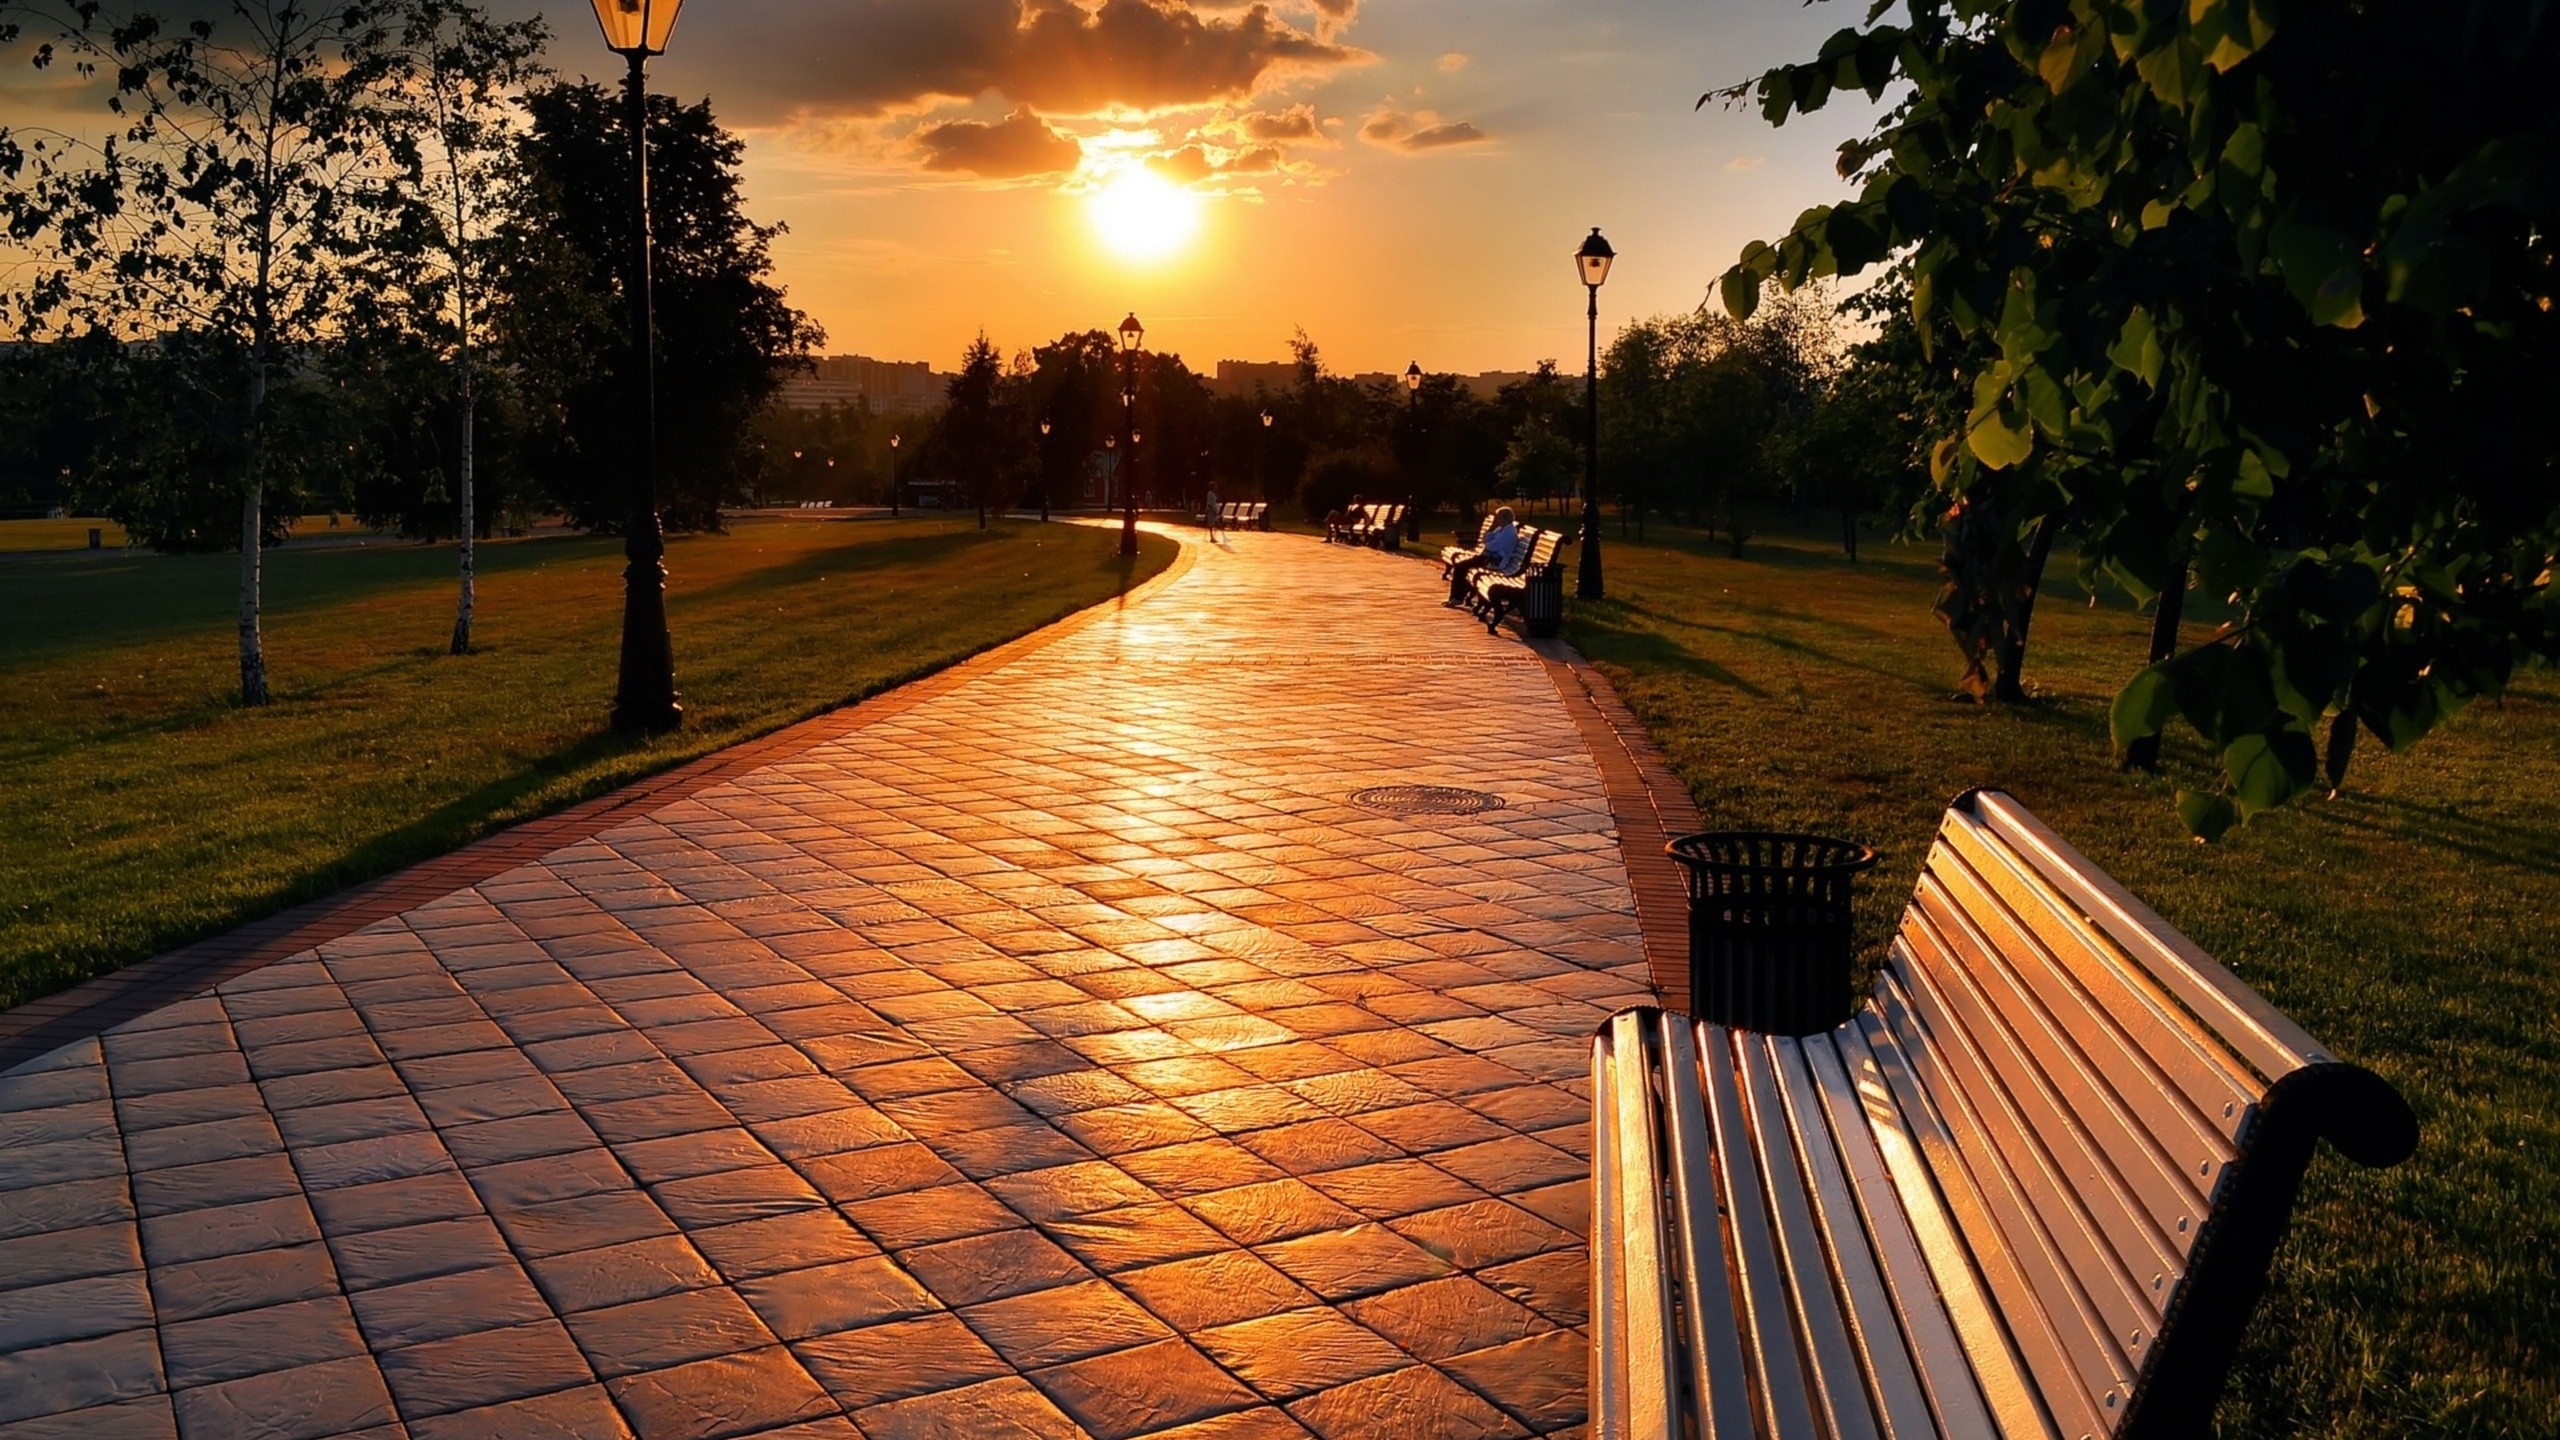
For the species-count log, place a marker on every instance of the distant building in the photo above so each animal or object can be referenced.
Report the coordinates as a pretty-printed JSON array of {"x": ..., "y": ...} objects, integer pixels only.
[
  {"x": 1240, "y": 377},
  {"x": 893, "y": 387}
]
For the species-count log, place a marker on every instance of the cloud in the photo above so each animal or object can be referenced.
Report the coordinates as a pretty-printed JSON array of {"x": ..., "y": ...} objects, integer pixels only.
[
  {"x": 1194, "y": 163},
  {"x": 1417, "y": 131},
  {"x": 1745, "y": 162},
  {"x": 1020, "y": 144},
  {"x": 1296, "y": 125},
  {"x": 777, "y": 62},
  {"x": 1435, "y": 137},
  {"x": 1453, "y": 62}
]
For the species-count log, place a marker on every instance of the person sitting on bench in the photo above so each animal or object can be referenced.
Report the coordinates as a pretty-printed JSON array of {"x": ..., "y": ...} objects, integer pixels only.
[
  {"x": 1498, "y": 548},
  {"x": 1339, "y": 522}
]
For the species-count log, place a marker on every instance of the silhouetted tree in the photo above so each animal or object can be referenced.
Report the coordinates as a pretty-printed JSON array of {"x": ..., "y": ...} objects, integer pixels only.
[{"x": 726, "y": 333}]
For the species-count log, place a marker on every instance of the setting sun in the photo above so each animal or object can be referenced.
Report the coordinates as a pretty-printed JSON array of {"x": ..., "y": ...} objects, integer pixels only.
[{"x": 1141, "y": 215}]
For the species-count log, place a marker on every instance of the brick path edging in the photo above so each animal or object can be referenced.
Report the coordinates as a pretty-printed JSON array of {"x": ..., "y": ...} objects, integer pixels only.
[
  {"x": 1651, "y": 804},
  {"x": 98, "y": 1005}
]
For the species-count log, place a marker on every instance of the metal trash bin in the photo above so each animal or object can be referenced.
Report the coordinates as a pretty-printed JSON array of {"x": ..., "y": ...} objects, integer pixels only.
[
  {"x": 1770, "y": 936},
  {"x": 1542, "y": 604}
]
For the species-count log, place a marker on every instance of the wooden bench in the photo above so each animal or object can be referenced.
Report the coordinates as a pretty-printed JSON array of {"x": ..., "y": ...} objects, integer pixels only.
[
  {"x": 1242, "y": 515},
  {"x": 2031, "y": 1189},
  {"x": 1496, "y": 593}
]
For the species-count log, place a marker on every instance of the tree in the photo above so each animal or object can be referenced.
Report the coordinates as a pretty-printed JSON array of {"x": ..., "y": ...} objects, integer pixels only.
[
  {"x": 455, "y": 136},
  {"x": 2263, "y": 300},
  {"x": 726, "y": 334},
  {"x": 970, "y": 435},
  {"x": 216, "y": 212}
]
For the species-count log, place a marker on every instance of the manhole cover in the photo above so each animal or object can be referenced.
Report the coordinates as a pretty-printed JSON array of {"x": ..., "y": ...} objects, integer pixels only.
[{"x": 1425, "y": 800}]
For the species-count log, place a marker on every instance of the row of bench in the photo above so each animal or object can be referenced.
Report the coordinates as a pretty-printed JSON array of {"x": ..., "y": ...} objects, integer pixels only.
[
  {"x": 1239, "y": 515},
  {"x": 1379, "y": 526}
]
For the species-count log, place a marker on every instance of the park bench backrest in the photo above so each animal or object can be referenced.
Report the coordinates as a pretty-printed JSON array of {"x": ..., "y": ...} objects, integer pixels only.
[
  {"x": 1543, "y": 552},
  {"x": 2084, "y": 1082}
]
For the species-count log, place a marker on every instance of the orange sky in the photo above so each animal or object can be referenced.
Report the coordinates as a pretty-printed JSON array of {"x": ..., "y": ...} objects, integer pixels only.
[
  {"x": 1457, "y": 255},
  {"x": 1405, "y": 179}
]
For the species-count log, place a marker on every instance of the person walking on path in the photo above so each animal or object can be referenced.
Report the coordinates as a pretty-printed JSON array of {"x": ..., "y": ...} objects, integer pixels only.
[
  {"x": 1498, "y": 548},
  {"x": 1212, "y": 502}
]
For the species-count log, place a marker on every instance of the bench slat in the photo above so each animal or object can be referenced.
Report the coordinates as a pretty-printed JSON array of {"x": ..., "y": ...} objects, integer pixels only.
[
  {"x": 1838, "y": 1361},
  {"x": 1715, "y": 1344},
  {"x": 1643, "y": 1402},
  {"x": 2182, "y": 1105},
  {"x": 1768, "y": 1328},
  {"x": 2209, "y": 1076},
  {"x": 2156, "y": 1203},
  {"x": 2070, "y": 1188},
  {"x": 2256, "y": 1030},
  {"x": 1936, "y": 1356},
  {"x": 2051, "y": 1375},
  {"x": 2078, "y": 1365}
]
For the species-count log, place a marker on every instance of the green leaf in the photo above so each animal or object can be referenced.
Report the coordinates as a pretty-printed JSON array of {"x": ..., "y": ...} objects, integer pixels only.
[
  {"x": 2268, "y": 769},
  {"x": 2208, "y": 817},
  {"x": 2137, "y": 348},
  {"x": 2144, "y": 707},
  {"x": 1741, "y": 293},
  {"x": 2323, "y": 268}
]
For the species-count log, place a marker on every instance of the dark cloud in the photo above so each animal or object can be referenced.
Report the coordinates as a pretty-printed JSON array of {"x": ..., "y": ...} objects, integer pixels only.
[
  {"x": 786, "y": 59},
  {"x": 1436, "y": 137},
  {"x": 1399, "y": 130},
  {"x": 1018, "y": 145}
]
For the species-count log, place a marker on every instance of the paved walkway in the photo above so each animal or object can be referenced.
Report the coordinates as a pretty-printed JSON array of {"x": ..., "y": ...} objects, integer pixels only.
[{"x": 1063, "y": 1055}]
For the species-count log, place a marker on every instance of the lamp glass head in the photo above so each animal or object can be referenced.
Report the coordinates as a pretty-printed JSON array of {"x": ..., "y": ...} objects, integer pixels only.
[
  {"x": 1413, "y": 377},
  {"x": 1593, "y": 259},
  {"x": 1131, "y": 332},
  {"x": 637, "y": 26},
  {"x": 1044, "y": 427},
  {"x": 1266, "y": 419},
  {"x": 893, "y": 441}
]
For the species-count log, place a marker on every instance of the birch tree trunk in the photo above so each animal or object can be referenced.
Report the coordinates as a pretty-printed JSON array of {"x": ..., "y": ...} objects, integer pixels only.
[
  {"x": 253, "y": 486},
  {"x": 470, "y": 523}
]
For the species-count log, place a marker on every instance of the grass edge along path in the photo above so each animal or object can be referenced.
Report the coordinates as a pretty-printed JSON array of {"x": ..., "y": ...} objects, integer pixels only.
[
  {"x": 808, "y": 663},
  {"x": 2413, "y": 924}
]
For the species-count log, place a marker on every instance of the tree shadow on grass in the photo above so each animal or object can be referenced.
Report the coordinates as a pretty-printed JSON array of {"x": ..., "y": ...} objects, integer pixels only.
[
  {"x": 1646, "y": 649},
  {"x": 857, "y": 557},
  {"x": 1766, "y": 638},
  {"x": 2393, "y": 820}
]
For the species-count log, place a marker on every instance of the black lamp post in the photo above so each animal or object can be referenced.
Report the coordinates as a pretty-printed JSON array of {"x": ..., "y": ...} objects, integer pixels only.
[
  {"x": 644, "y": 697},
  {"x": 1131, "y": 332},
  {"x": 1262, "y": 481},
  {"x": 1044, "y": 472},
  {"x": 1421, "y": 447},
  {"x": 893, "y": 475},
  {"x": 1592, "y": 260}
]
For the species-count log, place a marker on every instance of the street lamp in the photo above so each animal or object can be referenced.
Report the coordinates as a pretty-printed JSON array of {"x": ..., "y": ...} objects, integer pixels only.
[
  {"x": 893, "y": 475},
  {"x": 1262, "y": 481},
  {"x": 644, "y": 698},
  {"x": 1044, "y": 472},
  {"x": 1413, "y": 387},
  {"x": 1592, "y": 262},
  {"x": 1413, "y": 378},
  {"x": 1131, "y": 332}
]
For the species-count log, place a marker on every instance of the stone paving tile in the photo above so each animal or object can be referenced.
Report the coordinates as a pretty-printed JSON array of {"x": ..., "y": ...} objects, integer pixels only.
[{"x": 1061, "y": 1054}]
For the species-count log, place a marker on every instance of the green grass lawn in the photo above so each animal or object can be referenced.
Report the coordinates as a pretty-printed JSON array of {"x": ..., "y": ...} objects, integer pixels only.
[
  {"x": 140, "y": 808},
  {"x": 2412, "y": 922}
]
